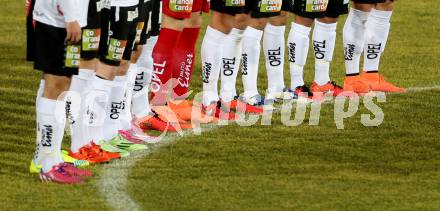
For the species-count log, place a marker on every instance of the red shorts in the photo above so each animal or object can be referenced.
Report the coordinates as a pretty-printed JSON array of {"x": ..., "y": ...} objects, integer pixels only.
[{"x": 182, "y": 9}]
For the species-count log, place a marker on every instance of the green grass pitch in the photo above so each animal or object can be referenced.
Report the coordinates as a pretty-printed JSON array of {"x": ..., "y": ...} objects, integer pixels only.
[{"x": 393, "y": 166}]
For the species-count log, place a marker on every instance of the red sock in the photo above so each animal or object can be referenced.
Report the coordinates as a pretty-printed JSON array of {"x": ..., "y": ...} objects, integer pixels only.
[
  {"x": 183, "y": 61},
  {"x": 162, "y": 64}
]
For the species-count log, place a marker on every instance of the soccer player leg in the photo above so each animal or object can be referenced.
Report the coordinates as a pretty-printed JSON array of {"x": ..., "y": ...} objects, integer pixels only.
[
  {"x": 112, "y": 45},
  {"x": 377, "y": 30},
  {"x": 172, "y": 27},
  {"x": 251, "y": 58},
  {"x": 221, "y": 23},
  {"x": 259, "y": 11},
  {"x": 139, "y": 73},
  {"x": 298, "y": 45},
  {"x": 274, "y": 49},
  {"x": 184, "y": 54},
  {"x": 117, "y": 108},
  {"x": 59, "y": 62},
  {"x": 230, "y": 61},
  {"x": 353, "y": 41},
  {"x": 89, "y": 54},
  {"x": 324, "y": 39}
]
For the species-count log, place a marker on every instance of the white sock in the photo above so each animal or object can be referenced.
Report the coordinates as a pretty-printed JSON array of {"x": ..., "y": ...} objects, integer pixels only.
[
  {"x": 140, "y": 103},
  {"x": 298, "y": 49},
  {"x": 48, "y": 152},
  {"x": 38, "y": 135},
  {"x": 79, "y": 84},
  {"x": 354, "y": 39},
  {"x": 324, "y": 39},
  {"x": 40, "y": 90},
  {"x": 37, "y": 100},
  {"x": 115, "y": 108},
  {"x": 211, "y": 51},
  {"x": 230, "y": 64},
  {"x": 377, "y": 30},
  {"x": 149, "y": 64},
  {"x": 96, "y": 101},
  {"x": 251, "y": 59},
  {"x": 128, "y": 82},
  {"x": 274, "y": 48}
]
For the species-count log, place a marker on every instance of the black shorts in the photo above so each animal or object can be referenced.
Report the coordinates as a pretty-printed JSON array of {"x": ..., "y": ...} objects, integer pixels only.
[
  {"x": 256, "y": 8},
  {"x": 369, "y": 1},
  {"x": 263, "y": 8},
  {"x": 287, "y": 5},
  {"x": 335, "y": 8},
  {"x": 143, "y": 22},
  {"x": 115, "y": 33},
  {"x": 52, "y": 54},
  {"x": 30, "y": 32},
  {"x": 310, "y": 10},
  {"x": 92, "y": 32},
  {"x": 153, "y": 27},
  {"x": 131, "y": 41}
]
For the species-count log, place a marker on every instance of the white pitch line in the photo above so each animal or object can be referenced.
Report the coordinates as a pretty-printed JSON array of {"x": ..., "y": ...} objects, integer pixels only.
[
  {"x": 113, "y": 184},
  {"x": 420, "y": 89}
]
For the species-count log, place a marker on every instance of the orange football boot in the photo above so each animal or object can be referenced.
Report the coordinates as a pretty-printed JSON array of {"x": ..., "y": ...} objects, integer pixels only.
[
  {"x": 153, "y": 122},
  {"x": 330, "y": 87},
  {"x": 185, "y": 110},
  {"x": 248, "y": 108},
  {"x": 97, "y": 149},
  {"x": 378, "y": 83},
  {"x": 168, "y": 115},
  {"x": 355, "y": 84},
  {"x": 87, "y": 153}
]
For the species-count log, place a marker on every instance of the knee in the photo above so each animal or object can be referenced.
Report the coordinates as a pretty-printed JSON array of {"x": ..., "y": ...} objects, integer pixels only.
[
  {"x": 363, "y": 7},
  {"x": 221, "y": 22},
  {"x": 55, "y": 85},
  {"x": 241, "y": 21},
  {"x": 195, "y": 21},
  {"x": 328, "y": 20},
  {"x": 280, "y": 20},
  {"x": 387, "y": 6},
  {"x": 304, "y": 21}
]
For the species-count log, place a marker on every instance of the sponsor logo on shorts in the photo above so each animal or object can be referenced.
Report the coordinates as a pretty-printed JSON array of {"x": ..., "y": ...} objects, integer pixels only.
[
  {"x": 228, "y": 66},
  {"x": 349, "y": 52},
  {"x": 181, "y": 5},
  {"x": 319, "y": 47},
  {"x": 132, "y": 15},
  {"x": 90, "y": 39},
  {"x": 116, "y": 49},
  {"x": 235, "y": 3},
  {"x": 292, "y": 49},
  {"x": 274, "y": 57},
  {"x": 316, "y": 5},
  {"x": 373, "y": 50},
  {"x": 245, "y": 64},
  {"x": 139, "y": 28},
  {"x": 73, "y": 55},
  {"x": 270, "y": 5},
  {"x": 206, "y": 72},
  {"x": 102, "y": 4},
  {"x": 47, "y": 134},
  {"x": 185, "y": 71}
]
